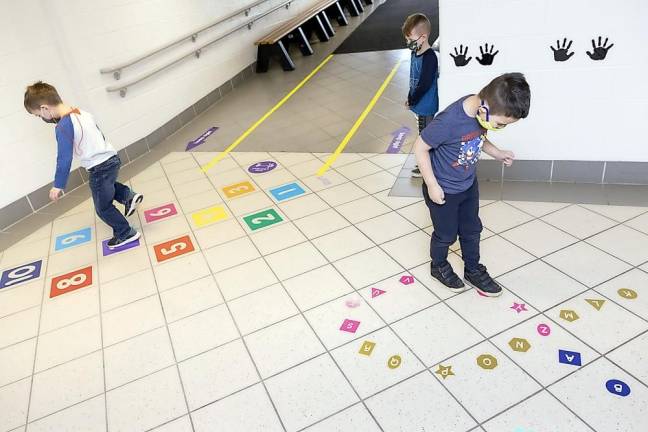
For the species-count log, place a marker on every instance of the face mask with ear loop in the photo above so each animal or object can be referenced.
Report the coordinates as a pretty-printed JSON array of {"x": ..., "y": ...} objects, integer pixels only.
[
  {"x": 52, "y": 120},
  {"x": 486, "y": 124},
  {"x": 414, "y": 45}
]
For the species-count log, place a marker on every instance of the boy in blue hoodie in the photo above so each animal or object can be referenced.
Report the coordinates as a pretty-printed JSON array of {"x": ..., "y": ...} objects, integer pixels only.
[{"x": 423, "y": 96}]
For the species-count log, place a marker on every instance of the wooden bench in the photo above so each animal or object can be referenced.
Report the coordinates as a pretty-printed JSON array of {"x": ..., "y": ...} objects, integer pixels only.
[{"x": 299, "y": 29}]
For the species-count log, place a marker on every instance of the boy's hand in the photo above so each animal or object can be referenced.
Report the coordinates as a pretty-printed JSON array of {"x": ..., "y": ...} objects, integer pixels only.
[
  {"x": 55, "y": 193},
  {"x": 506, "y": 156},
  {"x": 436, "y": 194}
]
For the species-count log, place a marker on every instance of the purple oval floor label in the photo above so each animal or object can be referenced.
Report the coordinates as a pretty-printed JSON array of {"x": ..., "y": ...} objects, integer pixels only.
[
  {"x": 262, "y": 167},
  {"x": 617, "y": 387}
]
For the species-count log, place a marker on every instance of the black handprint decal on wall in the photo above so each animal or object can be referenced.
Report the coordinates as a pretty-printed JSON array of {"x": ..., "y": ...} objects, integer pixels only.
[
  {"x": 600, "y": 51},
  {"x": 561, "y": 53},
  {"x": 487, "y": 56},
  {"x": 459, "y": 57}
]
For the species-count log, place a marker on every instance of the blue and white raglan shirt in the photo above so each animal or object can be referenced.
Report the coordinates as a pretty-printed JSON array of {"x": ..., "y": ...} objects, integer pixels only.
[
  {"x": 78, "y": 135},
  {"x": 423, "y": 96}
]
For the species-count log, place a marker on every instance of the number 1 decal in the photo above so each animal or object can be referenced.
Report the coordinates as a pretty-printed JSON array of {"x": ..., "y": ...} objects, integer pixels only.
[
  {"x": 71, "y": 281},
  {"x": 287, "y": 191},
  {"x": 18, "y": 275},
  {"x": 262, "y": 219},
  {"x": 173, "y": 248}
]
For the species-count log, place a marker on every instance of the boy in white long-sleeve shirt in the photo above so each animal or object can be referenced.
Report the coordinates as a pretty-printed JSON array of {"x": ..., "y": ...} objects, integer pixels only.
[{"x": 77, "y": 134}]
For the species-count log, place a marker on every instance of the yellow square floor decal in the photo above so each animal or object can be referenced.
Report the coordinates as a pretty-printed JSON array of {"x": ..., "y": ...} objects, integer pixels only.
[
  {"x": 209, "y": 216},
  {"x": 237, "y": 189}
]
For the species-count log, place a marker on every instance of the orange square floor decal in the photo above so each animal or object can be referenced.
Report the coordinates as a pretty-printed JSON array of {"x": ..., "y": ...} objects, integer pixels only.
[
  {"x": 71, "y": 281},
  {"x": 173, "y": 248}
]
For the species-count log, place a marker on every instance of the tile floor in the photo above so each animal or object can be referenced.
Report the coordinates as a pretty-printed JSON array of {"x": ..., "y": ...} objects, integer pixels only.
[{"x": 281, "y": 301}]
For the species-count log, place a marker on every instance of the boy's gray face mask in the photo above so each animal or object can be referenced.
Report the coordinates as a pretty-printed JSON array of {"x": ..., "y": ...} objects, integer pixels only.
[
  {"x": 414, "y": 45},
  {"x": 52, "y": 120}
]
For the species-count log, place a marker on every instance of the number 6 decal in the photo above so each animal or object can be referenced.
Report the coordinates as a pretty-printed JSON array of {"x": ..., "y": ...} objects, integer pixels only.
[
  {"x": 71, "y": 281},
  {"x": 157, "y": 213},
  {"x": 173, "y": 248},
  {"x": 75, "y": 238}
]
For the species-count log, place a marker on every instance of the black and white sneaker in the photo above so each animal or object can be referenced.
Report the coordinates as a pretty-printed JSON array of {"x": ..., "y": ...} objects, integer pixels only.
[
  {"x": 114, "y": 242},
  {"x": 131, "y": 205},
  {"x": 416, "y": 173},
  {"x": 482, "y": 282},
  {"x": 446, "y": 275}
]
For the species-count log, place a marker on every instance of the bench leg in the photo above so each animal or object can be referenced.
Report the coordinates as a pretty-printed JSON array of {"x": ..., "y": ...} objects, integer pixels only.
[
  {"x": 338, "y": 13},
  {"x": 320, "y": 30},
  {"x": 327, "y": 24},
  {"x": 302, "y": 40},
  {"x": 353, "y": 9},
  {"x": 359, "y": 5},
  {"x": 263, "y": 58},
  {"x": 286, "y": 62},
  {"x": 368, "y": 2}
]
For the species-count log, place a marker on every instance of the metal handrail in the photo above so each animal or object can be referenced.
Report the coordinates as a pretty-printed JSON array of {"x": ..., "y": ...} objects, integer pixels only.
[
  {"x": 116, "y": 70},
  {"x": 195, "y": 52}
]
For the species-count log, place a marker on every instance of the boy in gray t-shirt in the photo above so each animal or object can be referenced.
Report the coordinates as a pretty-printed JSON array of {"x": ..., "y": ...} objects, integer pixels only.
[{"x": 447, "y": 152}]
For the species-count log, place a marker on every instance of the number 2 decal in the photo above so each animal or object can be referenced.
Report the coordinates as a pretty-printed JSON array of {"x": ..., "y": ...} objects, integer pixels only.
[
  {"x": 173, "y": 248},
  {"x": 18, "y": 275},
  {"x": 262, "y": 219}
]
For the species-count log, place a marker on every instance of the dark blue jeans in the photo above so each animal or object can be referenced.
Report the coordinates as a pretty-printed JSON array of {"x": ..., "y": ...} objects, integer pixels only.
[
  {"x": 105, "y": 189},
  {"x": 458, "y": 216}
]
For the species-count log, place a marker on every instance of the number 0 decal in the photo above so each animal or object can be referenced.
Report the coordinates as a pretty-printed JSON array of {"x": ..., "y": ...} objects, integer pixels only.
[
  {"x": 71, "y": 281},
  {"x": 173, "y": 248}
]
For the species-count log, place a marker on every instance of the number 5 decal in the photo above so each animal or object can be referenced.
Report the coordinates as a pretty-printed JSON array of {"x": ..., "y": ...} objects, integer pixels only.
[
  {"x": 71, "y": 281},
  {"x": 173, "y": 248}
]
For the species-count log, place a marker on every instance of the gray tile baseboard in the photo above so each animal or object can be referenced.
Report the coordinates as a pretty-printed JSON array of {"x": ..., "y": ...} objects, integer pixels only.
[{"x": 36, "y": 201}]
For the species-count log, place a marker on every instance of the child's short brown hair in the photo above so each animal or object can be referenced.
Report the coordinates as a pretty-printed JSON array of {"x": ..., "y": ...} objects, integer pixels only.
[
  {"x": 412, "y": 21},
  {"x": 39, "y": 94},
  {"x": 508, "y": 95}
]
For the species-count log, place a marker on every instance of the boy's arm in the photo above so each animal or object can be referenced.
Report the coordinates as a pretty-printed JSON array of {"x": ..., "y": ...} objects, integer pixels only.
[
  {"x": 422, "y": 153},
  {"x": 65, "y": 144},
  {"x": 429, "y": 71},
  {"x": 491, "y": 149}
]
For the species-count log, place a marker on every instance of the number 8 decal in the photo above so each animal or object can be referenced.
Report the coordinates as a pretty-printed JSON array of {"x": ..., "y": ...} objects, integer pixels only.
[{"x": 71, "y": 281}]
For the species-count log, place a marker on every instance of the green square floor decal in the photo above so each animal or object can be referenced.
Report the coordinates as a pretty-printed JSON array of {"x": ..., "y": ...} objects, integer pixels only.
[{"x": 262, "y": 219}]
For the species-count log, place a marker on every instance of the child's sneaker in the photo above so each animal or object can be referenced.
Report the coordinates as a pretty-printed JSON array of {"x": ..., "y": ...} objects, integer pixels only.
[
  {"x": 131, "y": 205},
  {"x": 114, "y": 242},
  {"x": 482, "y": 282},
  {"x": 446, "y": 275},
  {"x": 416, "y": 173}
]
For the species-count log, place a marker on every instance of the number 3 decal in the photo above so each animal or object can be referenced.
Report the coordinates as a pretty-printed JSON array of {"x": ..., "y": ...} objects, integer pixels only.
[{"x": 173, "y": 248}]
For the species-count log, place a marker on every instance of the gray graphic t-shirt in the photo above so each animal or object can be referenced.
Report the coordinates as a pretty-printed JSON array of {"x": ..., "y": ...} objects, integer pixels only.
[{"x": 456, "y": 140}]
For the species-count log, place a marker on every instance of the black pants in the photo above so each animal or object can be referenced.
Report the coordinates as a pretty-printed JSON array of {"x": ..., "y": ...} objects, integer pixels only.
[
  {"x": 458, "y": 216},
  {"x": 423, "y": 121}
]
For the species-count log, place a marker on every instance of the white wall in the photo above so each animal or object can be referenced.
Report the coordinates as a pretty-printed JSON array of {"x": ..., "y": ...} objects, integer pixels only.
[
  {"x": 580, "y": 109},
  {"x": 65, "y": 43}
]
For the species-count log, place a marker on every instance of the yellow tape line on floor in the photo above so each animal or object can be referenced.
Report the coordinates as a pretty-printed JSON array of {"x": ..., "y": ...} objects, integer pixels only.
[
  {"x": 256, "y": 124},
  {"x": 358, "y": 122}
]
